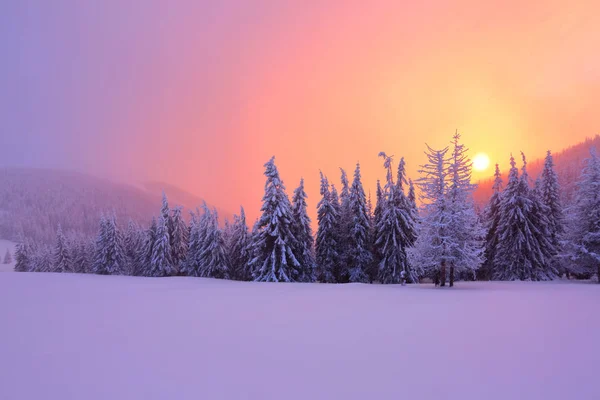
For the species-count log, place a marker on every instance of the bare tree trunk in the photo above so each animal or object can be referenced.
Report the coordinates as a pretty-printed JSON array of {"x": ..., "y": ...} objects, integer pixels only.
[
  {"x": 452, "y": 275},
  {"x": 443, "y": 273}
]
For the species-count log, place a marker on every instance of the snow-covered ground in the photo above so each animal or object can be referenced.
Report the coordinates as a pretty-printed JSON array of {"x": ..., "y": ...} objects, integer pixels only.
[
  {"x": 10, "y": 246},
  {"x": 89, "y": 337}
]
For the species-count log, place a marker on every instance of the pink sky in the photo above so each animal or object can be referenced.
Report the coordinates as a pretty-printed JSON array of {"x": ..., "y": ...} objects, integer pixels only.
[{"x": 201, "y": 94}]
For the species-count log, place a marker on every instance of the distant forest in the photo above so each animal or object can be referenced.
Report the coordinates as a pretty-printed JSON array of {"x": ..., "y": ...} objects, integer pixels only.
[{"x": 531, "y": 228}]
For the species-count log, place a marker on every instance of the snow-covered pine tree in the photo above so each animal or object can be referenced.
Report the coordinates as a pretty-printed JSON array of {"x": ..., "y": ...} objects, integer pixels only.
[
  {"x": 412, "y": 202},
  {"x": 190, "y": 266},
  {"x": 199, "y": 227},
  {"x": 360, "y": 256},
  {"x": 377, "y": 212},
  {"x": 395, "y": 231},
  {"x": 239, "y": 248},
  {"x": 409, "y": 206},
  {"x": 62, "y": 258},
  {"x": 23, "y": 257},
  {"x": 165, "y": 212},
  {"x": 7, "y": 257},
  {"x": 302, "y": 231},
  {"x": 340, "y": 271},
  {"x": 253, "y": 248},
  {"x": 274, "y": 258},
  {"x": 213, "y": 260},
  {"x": 161, "y": 263},
  {"x": 378, "y": 204},
  {"x": 431, "y": 250},
  {"x": 467, "y": 246},
  {"x": 412, "y": 197},
  {"x": 584, "y": 216},
  {"x": 372, "y": 270},
  {"x": 132, "y": 243},
  {"x": 491, "y": 221},
  {"x": 327, "y": 235},
  {"x": 110, "y": 255},
  {"x": 344, "y": 223},
  {"x": 549, "y": 192},
  {"x": 42, "y": 260},
  {"x": 81, "y": 253},
  {"x": 179, "y": 239},
  {"x": 524, "y": 243},
  {"x": 144, "y": 255}
]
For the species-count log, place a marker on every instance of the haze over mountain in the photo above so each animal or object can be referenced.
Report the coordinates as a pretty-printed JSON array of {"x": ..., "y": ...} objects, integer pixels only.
[{"x": 34, "y": 201}]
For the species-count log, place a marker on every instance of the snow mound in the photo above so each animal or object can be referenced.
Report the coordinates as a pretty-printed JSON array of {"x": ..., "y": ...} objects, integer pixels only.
[{"x": 67, "y": 336}]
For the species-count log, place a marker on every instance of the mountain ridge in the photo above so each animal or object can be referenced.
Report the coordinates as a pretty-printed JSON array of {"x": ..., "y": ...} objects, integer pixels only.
[{"x": 34, "y": 201}]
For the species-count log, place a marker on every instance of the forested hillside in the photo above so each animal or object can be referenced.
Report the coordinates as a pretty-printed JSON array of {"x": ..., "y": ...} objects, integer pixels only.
[{"x": 33, "y": 202}]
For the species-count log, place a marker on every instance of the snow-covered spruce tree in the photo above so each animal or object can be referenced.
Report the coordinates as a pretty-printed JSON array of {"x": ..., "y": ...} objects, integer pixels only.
[
  {"x": 144, "y": 255},
  {"x": 42, "y": 260},
  {"x": 110, "y": 253},
  {"x": 373, "y": 267},
  {"x": 584, "y": 228},
  {"x": 467, "y": 247},
  {"x": 62, "y": 258},
  {"x": 377, "y": 212},
  {"x": 395, "y": 231},
  {"x": 409, "y": 205},
  {"x": 179, "y": 239},
  {"x": 274, "y": 258},
  {"x": 327, "y": 235},
  {"x": 190, "y": 266},
  {"x": 524, "y": 243},
  {"x": 549, "y": 192},
  {"x": 370, "y": 207},
  {"x": 431, "y": 252},
  {"x": 491, "y": 219},
  {"x": 161, "y": 263},
  {"x": 414, "y": 210},
  {"x": 165, "y": 212},
  {"x": 302, "y": 231},
  {"x": 133, "y": 242},
  {"x": 238, "y": 248},
  {"x": 213, "y": 261},
  {"x": 81, "y": 253},
  {"x": 23, "y": 257},
  {"x": 344, "y": 224},
  {"x": 199, "y": 226},
  {"x": 360, "y": 256},
  {"x": 7, "y": 257},
  {"x": 253, "y": 248},
  {"x": 340, "y": 272}
]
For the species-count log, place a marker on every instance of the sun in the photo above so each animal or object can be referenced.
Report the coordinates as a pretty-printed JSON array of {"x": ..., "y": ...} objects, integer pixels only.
[{"x": 481, "y": 162}]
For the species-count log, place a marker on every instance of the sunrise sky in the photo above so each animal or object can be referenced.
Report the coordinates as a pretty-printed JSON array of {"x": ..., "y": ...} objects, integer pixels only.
[{"x": 201, "y": 93}]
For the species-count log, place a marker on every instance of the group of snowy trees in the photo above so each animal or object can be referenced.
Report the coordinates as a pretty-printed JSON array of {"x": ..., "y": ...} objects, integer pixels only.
[
  {"x": 531, "y": 236},
  {"x": 522, "y": 234}
]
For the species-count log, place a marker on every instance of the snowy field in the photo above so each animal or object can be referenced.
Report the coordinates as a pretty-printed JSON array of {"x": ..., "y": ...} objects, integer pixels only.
[
  {"x": 10, "y": 246},
  {"x": 91, "y": 337}
]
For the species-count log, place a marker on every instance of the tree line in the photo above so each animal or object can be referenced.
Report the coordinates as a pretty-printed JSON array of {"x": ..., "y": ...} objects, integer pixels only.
[{"x": 523, "y": 233}]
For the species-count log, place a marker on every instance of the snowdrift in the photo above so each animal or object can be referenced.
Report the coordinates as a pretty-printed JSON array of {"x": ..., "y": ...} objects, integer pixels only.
[{"x": 67, "y": 336}]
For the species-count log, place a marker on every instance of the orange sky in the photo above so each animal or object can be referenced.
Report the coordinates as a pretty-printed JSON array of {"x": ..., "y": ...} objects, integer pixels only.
[{"x": 201, "y": 94}]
